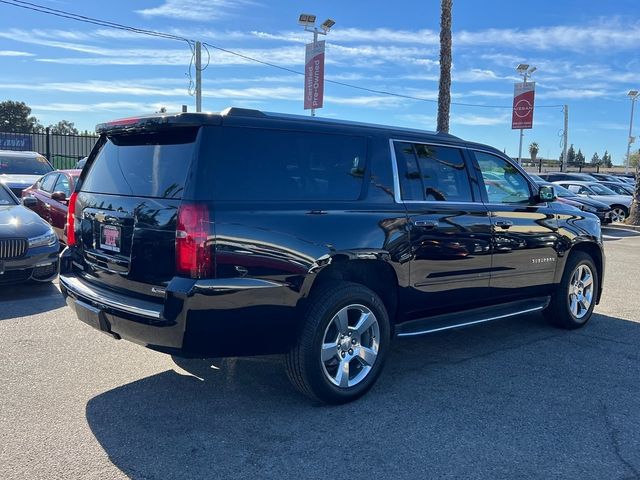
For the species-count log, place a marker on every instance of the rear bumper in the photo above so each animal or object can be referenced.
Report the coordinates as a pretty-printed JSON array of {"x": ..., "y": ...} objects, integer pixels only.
[
  {"x": 123, "y": 316},
  {"x": 223, "y": 317}
]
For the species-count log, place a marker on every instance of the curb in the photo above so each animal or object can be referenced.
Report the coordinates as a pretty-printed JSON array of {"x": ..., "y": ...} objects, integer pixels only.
[{"x": 623, "y": 226}]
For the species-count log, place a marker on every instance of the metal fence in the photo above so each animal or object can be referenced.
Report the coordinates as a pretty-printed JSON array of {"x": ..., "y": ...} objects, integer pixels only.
[{"x": 63, "y": 151}]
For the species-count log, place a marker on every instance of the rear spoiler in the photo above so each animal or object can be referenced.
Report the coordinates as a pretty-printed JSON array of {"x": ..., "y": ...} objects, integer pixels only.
[{"x": 156, "y": 122}]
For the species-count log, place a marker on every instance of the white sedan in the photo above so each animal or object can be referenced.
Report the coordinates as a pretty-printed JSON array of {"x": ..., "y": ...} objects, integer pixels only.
[{"x": 620, "y": 204}]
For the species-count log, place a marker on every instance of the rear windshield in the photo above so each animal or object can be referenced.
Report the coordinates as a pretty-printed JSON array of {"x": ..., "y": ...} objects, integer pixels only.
[
  {"x": 150, "y": 164},
  {"x": 24, "y": 165}
]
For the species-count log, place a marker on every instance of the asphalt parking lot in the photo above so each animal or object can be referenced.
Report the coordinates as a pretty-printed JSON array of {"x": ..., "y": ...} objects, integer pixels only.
[{"x": 513, "y": 399}]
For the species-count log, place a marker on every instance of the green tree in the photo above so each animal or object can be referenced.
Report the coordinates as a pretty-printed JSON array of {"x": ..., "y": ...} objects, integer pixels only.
[
  {"x": 580, "y": 160},
  {"x": 16, "y": 117},
  {"x": 634, "y": 158},
  {"x": 64, "y": 127},
  {"x": 534, "y": 148},
  {"x": 606, "y": 160},
  {"x": 571, "y": 156},
  {"x": 595, "y": 160},
  {"x": 444, "y": 90}
]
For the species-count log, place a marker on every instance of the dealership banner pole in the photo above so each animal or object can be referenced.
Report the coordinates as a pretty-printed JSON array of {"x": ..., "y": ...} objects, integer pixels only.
[
  {"x": 315, "y": 45},
  {"x": 314, "y": 75},
  {"x": 522, "y": 116}
]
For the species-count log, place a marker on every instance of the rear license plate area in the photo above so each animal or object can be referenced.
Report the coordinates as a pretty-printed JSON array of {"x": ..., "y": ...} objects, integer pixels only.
[{"x": 110, "y": 238}]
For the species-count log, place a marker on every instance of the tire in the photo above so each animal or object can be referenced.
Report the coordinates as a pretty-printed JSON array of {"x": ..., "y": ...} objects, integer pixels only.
[
  {"x": 573, "y": 302},
  {"x": 619, "y": 213},
  {"x": 346, "y": 324}
]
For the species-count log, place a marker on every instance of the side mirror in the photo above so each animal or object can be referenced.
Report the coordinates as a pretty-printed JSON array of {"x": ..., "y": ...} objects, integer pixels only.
[
  {"x": 547, "y": 193},
  {"x": 59, "y": 197},
  {"x": 29, "y": 202}
]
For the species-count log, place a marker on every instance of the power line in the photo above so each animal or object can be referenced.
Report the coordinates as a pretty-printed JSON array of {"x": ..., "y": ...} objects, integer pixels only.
[{"x": 95, "y": 21}]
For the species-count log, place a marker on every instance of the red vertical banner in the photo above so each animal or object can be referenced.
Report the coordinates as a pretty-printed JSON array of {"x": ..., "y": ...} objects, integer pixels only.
[
  {"x": 314, "y": 75},
  {"x": 523, "y": 98}
]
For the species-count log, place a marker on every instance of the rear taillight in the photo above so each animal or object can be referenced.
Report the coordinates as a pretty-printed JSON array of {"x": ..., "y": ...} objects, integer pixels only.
[
  {"x": 71, "y": 214},
  {"x": 193, "y": 254}
]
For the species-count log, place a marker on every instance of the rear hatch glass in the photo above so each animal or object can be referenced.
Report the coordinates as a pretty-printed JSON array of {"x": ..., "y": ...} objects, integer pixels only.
[
  {"x": 127, "y": 205},
  {"x": 150, "y": 164}
]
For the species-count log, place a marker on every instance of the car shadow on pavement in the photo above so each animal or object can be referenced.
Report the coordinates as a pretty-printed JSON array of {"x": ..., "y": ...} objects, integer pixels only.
[
  {"x": 512, "y": 399},
  {"x": 22, "y": 300},
  {"x": 616, "y": 233}
]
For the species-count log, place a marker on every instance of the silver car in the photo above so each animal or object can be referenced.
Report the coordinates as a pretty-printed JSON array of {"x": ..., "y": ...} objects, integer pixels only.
[{"x": 620, "y": 204}]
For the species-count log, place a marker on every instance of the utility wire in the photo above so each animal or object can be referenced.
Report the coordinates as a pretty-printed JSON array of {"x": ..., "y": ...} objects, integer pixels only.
[{"x": 95, "y": 21}]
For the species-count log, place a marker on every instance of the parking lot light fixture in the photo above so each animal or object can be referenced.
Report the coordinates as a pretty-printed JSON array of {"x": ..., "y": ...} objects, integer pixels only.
[
  {"x": 327, "y": 24},
  {"x": 308, "y": 21}
]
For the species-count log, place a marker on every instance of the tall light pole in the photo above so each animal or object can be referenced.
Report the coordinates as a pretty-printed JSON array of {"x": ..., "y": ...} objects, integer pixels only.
[
  {"x": 308, "y": 21},
  {"x": 524, "y": 70},
  {"x": 633, "y": 95}
]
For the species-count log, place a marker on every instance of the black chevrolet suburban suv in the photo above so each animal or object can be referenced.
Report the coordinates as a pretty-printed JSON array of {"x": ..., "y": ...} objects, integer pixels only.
[{"x": 246, "y": 232}]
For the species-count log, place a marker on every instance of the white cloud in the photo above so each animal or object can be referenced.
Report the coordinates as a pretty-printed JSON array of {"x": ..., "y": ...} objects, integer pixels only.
[
  {"x": 612, "y": 126},
  {"x": 124, "y": 87},
  {"x": 255, "y": 93},
  {"x": 131, "y": 107},
  {"x": 196, "y": 10},
  {"x": 490, "y": 94},
  {"x": 15, "y": 53},
  {"x": 474, "y": 120},
  {"x": 604, "y": 36},
  {"x": 372, "y": 101},
  {"x": 573, "y": 93}
]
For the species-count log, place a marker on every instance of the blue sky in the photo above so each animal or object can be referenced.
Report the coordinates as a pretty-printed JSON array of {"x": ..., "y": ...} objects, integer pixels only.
[{"x": 587, "y": 56}]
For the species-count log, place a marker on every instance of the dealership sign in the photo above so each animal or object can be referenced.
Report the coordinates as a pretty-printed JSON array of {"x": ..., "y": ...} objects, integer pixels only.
[
  {"x": 314, "y": 75},
  {"x": 15, "y": 141},
  {"x": 523, "y": 95}
]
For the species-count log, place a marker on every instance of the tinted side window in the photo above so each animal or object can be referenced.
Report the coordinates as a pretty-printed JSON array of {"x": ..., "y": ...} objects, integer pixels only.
[
  {"x": 502, "y": 181},
  {"x": 276, "y": 165},
  {"x": 48, "y": 182},
  {"x": 432, "y": 173},
  {"x": 150, "y": 164},
  {"x": 408, "y": 172},
  {"x": 62, "y": 185}
]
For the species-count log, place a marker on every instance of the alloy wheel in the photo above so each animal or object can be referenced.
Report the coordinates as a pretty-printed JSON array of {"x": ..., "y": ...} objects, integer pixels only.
[
  {"x": 581, "y": 291},
  {"x": 618, "y": 215},
  {"x": 350, "y": 345}
]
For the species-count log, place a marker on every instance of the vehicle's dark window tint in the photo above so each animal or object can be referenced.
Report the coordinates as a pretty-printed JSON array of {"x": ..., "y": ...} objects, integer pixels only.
[
  {"x": 253, "y": 164},
  {"x": 48, "y": 182},
  {"x": 151, "y": 164},
  {"x": 62, "y": 185},
  {"x": 432, "y": 173},
  {"x": 410, "y": 182},
  {"x": 502, "y": 181}
]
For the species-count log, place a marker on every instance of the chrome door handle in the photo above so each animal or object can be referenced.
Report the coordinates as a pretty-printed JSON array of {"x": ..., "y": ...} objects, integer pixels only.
[
  {"x": 504, "y": 224},
  {"x": 425, "y": 223}
]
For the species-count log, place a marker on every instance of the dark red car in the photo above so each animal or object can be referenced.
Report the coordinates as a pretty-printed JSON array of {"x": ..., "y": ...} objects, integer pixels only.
[{"x": 52, "y": 198}]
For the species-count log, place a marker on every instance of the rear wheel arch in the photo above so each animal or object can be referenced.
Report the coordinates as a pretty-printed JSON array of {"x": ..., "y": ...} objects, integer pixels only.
[
  {"x": 619, "y": 205},
  {"x": 375, "y": 274}
]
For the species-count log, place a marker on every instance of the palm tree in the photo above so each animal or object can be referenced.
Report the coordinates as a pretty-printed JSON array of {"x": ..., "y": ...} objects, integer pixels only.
[
  {"x": 533, "y": 150},
  {"x": 444, "y": 93},
  {"x": 634, "y": 213}
]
